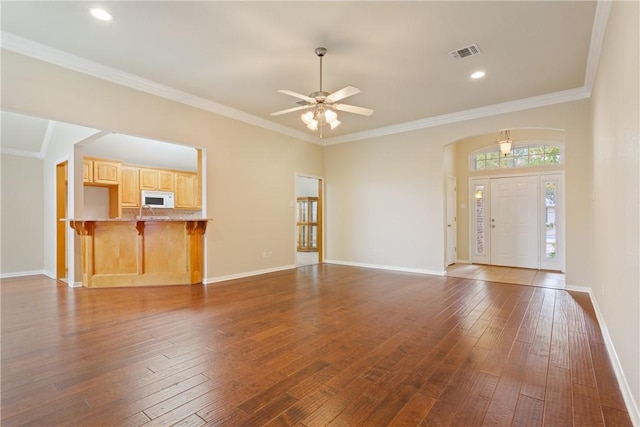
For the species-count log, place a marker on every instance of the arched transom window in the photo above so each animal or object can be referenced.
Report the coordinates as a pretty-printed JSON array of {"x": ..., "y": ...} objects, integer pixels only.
[{"x": 521, "y": 156}]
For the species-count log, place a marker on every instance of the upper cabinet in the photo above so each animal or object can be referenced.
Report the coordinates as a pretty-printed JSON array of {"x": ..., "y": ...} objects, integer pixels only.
[
  {"x": 100, "y": 172},
  {"x": 157, "y": 179},
  {"x": 187, "y": 190},
  {"x": 130, "y": 197},
  {"x": 126, "y": 181}
]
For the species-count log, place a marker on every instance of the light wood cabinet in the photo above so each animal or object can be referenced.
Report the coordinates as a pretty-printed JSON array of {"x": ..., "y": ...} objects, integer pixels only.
[
  {"x": 113, "y": 253},
  {"x": 130, "y": 197},
  {"x": 186, "y": 190},
  {"x": 87, "y": 171},
  {"x": 157, "y": 180},
  {"x": 184, "y": 185},
  {"x": 103, "y": 172}
]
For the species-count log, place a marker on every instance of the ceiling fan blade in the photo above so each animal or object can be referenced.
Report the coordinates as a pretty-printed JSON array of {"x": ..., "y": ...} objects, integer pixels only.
[
  {"x": 290, "y": 110},
  {"x": 353, "y": 109},
  {"x": 343, "y": 93},
  {"x": 297, "y": 95}
]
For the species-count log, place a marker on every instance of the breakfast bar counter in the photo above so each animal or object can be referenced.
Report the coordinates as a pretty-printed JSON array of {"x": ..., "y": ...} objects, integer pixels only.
[{"x": 147, "y": 251}]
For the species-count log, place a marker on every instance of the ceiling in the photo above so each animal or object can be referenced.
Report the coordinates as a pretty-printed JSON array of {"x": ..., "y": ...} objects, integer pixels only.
[{"x": 232, "y": 57}]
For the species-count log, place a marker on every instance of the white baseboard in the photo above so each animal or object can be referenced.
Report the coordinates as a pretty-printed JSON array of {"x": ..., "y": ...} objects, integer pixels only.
[
  {"x": 632, "y": 407},
  {"x": 584, "y": 289},
  {"x": 463, "y": 261},
  {"x": 22, "y": 274},
  {"x": 387, "y": 267},
  {"x": 246, "y": 274}
]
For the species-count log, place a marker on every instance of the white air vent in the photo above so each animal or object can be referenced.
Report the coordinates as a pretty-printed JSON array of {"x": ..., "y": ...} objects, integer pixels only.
[{"x": 470, "y": 50}]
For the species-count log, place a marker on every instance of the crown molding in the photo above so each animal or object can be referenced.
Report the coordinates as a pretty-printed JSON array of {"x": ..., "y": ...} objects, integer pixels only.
[
  {"x": 603, "y": 7},
  {"x": 476, "y": 113},
  {"x": 20, "y": 153},
  {"x": 45, "y": 53}
]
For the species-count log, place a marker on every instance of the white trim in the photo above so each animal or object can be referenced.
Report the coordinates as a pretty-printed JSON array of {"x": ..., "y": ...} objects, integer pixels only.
[
  {"x": 47, "y": 138},
  {"x": 21, "y": 153},
  {"x": 627, "y": 395},
  {"x": 603, "y": 7},
  {"x": 386, "y": 267},
  {"x": 23, "y": 274},
  {"x": 247, "y": 274},
  {"x": 476, "y": 113},
  {"x": 463, "y": 261},
  {"x": 45, "y": 53},
  {"x": 572, "y": 288}
]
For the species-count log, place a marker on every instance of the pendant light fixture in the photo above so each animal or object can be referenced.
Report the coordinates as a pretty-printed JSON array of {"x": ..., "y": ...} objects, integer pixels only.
[{"x": 505, "y": 141}]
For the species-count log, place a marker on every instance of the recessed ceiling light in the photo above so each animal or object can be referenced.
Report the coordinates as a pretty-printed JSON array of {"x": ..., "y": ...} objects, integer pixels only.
[
  {"x": 478, "y": 75},
  {"x": 101, "y": 14}
]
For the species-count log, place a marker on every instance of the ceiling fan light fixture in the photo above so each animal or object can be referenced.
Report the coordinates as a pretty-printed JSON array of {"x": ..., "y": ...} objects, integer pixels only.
[
  {"x": 330, "y": 115},
  {"x": 322, "y": 105},
  {"x": 313, "y": 125},
  {"x": 307, "y": 117}
]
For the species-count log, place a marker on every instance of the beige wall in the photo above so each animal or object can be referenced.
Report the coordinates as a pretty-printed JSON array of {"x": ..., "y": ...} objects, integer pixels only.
[
  {"x": 250, "y": 171},
  {"x": 21, "y": 219},
  {"x": 385, "y": 196},
  {"x": 616, "y": 165}
]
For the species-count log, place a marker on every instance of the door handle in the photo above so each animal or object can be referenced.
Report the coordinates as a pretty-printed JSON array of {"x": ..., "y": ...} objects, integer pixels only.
[{"x": 448, "y": 225}]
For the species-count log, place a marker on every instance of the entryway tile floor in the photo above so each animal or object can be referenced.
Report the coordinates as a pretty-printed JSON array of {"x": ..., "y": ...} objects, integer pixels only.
[
  {"x": 518, "y": 276},
  {"x": 306, "y": 258}
]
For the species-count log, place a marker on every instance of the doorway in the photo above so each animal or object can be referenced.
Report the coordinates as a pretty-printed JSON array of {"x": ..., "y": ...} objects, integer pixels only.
[
  {"x": 517, "y": 221},
  {"x": 309, "y": 236},
  {"x": 452, "y": 253},
  {"x": 61, "y": 226}
]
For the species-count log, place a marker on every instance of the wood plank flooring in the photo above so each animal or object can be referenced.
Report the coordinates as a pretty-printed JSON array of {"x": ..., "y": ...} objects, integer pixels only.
[{"x": 318, "y": 345}]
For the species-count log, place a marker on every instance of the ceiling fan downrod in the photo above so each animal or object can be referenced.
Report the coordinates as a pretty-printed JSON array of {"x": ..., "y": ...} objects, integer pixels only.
[{"x": 321, "y": 51}]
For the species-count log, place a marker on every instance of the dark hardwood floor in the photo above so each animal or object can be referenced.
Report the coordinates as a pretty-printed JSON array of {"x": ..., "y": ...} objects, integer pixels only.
[{"x": 319, "y": 345}]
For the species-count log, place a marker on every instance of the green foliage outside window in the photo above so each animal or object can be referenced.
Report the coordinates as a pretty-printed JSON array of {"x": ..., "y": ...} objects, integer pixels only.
[{"x": 520, "y": 156}]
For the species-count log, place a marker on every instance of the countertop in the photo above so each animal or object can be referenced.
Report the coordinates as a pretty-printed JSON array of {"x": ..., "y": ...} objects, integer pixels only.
[{"x": 144, "y": 218}]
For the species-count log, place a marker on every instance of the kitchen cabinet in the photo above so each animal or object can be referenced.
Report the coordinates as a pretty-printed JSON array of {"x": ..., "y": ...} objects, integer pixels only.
[
  {"x": 307, "y": 224},
  {"x": 157, "y": 180},
  {"x": 130, "y": 196},
  {"x": 87, "y": 171},
  {"x": 100, "y": 172},
  {"x": 186, "y": 190},
  {"x": 138, "y": 252}
]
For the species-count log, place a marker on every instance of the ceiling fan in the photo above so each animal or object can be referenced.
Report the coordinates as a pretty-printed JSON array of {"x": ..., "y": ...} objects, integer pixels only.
[{"x": 322, "y": 105}]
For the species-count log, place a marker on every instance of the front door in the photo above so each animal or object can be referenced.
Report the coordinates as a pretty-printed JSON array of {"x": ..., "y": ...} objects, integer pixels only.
[{"x": 514, "y": 222}]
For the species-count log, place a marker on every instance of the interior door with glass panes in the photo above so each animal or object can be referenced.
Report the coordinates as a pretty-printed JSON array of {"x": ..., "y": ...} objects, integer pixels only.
[{"x": 307, "y": 224}]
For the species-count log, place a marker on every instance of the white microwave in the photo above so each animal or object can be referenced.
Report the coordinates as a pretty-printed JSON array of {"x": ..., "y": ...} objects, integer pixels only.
[{"x": 158, "y": 199}]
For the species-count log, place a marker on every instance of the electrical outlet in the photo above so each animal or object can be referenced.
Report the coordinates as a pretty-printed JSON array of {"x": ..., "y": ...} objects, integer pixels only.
[
  {"x": 264, "y": 254},
  {"x": 269, "y": 254}
]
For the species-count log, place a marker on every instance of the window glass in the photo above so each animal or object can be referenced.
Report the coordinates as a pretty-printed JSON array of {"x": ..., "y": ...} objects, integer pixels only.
[{"x": 521, "y": 156}]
